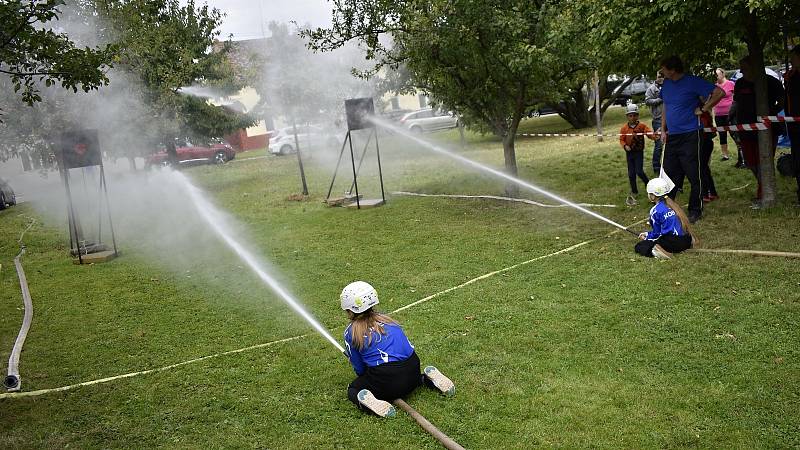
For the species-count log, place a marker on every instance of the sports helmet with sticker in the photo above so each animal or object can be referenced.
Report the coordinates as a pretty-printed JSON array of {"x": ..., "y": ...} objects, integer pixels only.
[{"x": 358, "y": 297}]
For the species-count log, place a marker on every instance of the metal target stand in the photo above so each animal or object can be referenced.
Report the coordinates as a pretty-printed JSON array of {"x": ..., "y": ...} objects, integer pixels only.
[
  {"x": 78, "y": 150},
  {"x": 358, "y": 110}
]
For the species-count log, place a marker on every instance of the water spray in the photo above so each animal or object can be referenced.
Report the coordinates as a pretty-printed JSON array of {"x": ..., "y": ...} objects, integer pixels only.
[
  {"x": 495, "y": 172},
  {"x": 214, "y": 218}
]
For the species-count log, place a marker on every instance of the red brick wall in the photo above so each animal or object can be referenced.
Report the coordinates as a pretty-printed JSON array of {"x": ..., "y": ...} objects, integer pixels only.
[{"x": 241, "y": 142}]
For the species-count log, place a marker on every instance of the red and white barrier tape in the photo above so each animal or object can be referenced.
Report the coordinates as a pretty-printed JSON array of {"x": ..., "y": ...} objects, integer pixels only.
[
  {"x": 738, "y": 127},
  {"x": 779, "y": 119},
  {"x": 742, "y": 127}
]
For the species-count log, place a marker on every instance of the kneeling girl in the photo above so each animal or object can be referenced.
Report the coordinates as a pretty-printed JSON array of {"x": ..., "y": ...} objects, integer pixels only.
[
  {"x": 671, "y": 231},
  {"x": 386, "y": 365}
]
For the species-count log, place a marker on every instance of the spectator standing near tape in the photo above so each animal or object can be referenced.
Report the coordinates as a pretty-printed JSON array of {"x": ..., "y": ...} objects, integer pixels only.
[
  {"x": 791, "y": 81},
  {"x": 681, "y": 118},
  {"x": 652, "y": 98},
  {"x": 744, "y": 94},
  {"x": 722, "y": 110}
]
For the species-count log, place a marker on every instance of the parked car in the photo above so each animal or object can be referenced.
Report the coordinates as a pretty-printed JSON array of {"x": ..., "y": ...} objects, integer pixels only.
[
  {"x": 738, "y": 74},
  {"x": 634, "y": 92},
  {"x": 394, "y": 115},
  {"x": 310, "y": 137},
  {"x": 7, "y": 195},
  {"x": 428, "y": 119},
  {"x": 189, "y": 153},
  {"x": 540, "y": 111}
]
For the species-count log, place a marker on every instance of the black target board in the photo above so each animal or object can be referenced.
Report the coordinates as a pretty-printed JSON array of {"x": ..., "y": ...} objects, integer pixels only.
[
  {"x": 80, "y": 148},
  {"x": 359, "y": 110}
]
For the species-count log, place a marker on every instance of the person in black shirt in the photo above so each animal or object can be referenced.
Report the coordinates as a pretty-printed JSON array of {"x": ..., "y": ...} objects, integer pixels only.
[
  {"x": 744, "y": 94},
  {"x": 791, "y": 80}
]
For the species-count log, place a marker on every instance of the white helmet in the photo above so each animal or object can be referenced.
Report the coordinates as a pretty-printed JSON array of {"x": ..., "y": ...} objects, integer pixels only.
[
  {"x": 632, "y": 108},
  {"x": 358, "y": 297},
  {"x": 658, "y": 187}
]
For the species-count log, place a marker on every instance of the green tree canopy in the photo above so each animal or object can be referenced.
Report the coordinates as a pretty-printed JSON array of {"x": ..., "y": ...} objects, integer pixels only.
[
  {"x": 169, "y": 47},
  {"x": 32, "y": 52},
  {"x": 485, "y": 60}
]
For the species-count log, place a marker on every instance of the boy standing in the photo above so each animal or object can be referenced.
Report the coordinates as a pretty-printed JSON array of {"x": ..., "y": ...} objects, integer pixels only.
[{"x": 631, "y": 139}]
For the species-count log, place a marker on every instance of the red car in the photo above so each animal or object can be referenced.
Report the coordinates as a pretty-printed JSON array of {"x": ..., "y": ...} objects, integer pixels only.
[{"x": 189, "y": 153}]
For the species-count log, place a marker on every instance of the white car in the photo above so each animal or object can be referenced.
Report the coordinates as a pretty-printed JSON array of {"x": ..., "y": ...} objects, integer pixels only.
[
  {"x": 428, "y": 119},
  {"x": 310, "y": 137}
]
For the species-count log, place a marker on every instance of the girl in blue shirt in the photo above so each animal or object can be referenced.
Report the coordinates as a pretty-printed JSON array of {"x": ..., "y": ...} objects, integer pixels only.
[
  {"x": 671, "y": 232},
  {"x": 381, "y": 355}
]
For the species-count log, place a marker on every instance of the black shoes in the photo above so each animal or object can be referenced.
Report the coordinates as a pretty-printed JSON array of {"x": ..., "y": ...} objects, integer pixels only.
[{"x": 695, "y": 216}]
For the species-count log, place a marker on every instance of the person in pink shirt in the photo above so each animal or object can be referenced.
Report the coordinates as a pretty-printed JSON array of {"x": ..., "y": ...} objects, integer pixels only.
[{"x": 722, "y": 110}]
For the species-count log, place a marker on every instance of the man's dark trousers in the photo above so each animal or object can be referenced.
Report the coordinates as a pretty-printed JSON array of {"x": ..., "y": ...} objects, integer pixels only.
[
  {"x": 657, "y": 148},
  {"x": 682, "y": 158}
]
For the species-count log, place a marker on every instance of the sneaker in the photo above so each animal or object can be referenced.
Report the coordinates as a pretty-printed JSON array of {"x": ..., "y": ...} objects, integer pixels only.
[
  {"x": 725, "y": 158},
  {"x": 694, "y": 217},
  {"x": 659, "y": 253},
  {"x": 756, "y": 204},
  {"x": 740, "y": 165},
  {"x": 631, "y": 200},
  {"x": 442, "y": 383},
  {"x": 710, "y": 198},
  {"x": 379, "y": 407}
]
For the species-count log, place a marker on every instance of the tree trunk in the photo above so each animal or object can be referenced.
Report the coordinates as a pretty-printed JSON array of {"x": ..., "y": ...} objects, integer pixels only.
[
  {"x": 766, "y": 159},
  {"x": 509, "y": 152},
  {"x": 575, "y": 109},
  {"x": 299, "y": 158},
  {"x": 510, "y": 159}
]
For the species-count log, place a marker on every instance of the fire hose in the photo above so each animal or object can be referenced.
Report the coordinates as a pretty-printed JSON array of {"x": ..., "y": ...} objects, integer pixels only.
[{"x": 12, "y": 381}]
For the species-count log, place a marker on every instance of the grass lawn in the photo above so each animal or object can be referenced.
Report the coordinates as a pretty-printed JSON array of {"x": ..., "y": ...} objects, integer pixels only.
[{"x": 595, "y": 347}]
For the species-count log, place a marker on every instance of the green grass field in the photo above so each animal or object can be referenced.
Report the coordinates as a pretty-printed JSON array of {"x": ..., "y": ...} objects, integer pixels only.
[{"x": 595, "y": 347}]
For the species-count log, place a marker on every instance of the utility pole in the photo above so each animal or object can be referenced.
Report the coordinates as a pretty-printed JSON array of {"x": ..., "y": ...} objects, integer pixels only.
[
  {"x": 299, "y": 158},
  {"x": 597, "y": 106}
]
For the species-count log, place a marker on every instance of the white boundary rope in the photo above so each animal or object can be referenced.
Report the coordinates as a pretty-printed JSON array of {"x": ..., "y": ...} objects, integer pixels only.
[
  {"x": 145, "y": 372},
  {"x": 293, "y": 338},
  {"x": 497, "y": 197}
]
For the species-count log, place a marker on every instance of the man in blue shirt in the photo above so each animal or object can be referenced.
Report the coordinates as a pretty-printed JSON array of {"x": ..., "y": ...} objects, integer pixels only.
[{"x": 681, "y": 119}]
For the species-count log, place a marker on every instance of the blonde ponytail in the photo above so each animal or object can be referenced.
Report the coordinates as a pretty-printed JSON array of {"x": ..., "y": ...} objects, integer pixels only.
[
  {"x": 687, "y": 226},
  {"x": 364, "y": 324}
]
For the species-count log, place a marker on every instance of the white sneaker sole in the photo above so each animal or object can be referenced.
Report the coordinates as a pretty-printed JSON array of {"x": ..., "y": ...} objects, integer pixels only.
[
  {"x": 661, "y": 254},
  {"x": 443, "y": 384},
  {"x": 379, "y": 407}
]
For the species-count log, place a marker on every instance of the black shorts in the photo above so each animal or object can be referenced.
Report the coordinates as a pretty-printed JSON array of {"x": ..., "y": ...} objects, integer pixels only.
[{"x": 388, "y": 381}]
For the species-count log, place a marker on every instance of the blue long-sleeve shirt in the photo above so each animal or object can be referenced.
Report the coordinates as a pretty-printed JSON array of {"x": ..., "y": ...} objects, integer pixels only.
[
  {"x": 664, "y": 221},
  {"x": 383, "y": 348}
]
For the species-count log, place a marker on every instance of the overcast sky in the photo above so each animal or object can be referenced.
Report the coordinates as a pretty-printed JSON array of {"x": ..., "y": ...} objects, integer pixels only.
[{"x": 246, "y": 19}]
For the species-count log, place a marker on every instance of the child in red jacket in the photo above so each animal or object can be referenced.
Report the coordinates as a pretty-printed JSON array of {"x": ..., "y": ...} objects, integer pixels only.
[{"x": 631, "y": 139}]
